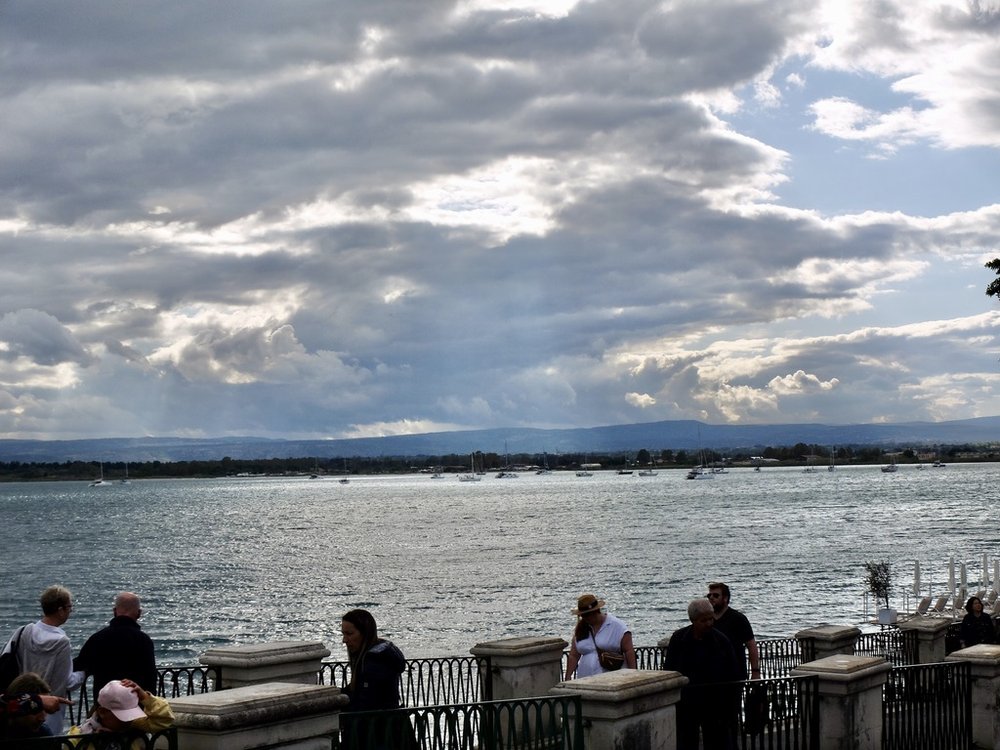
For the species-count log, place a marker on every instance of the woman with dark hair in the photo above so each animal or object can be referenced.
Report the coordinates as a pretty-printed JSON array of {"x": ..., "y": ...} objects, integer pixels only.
[
  {"x": 977, "y": 626},
  {"x": 374, "y": 686}
]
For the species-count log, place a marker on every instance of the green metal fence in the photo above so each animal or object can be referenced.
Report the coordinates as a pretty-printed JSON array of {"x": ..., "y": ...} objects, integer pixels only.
[
  {"x": 544, "y": 723},
  {"x": 928, "y": 706},
  {"x": 163, "y": 740},
  {"x": 428, "y": 682}
]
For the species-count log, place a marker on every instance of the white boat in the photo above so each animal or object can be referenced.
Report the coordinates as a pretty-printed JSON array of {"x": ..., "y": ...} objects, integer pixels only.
[
  {"x": 124, "y": 479},
  {"x": 647, "y": 473},
  {"x": 699, "y": 472},
  {"x": 343, "y": 479},
  {"x": 584, "y": 473},
  {"x": 890, "y": 467},
  {"x": 545, "y": 465},
  {"x": 505, "y": 472},
  {"x": 471, "y": 476},
  {"x": 833, "y": 460},
  {"x": 100, "y": 477}
]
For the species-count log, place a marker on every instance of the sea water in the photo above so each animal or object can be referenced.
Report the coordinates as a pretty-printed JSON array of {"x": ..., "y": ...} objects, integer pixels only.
[{"x": 444, "y": 565}]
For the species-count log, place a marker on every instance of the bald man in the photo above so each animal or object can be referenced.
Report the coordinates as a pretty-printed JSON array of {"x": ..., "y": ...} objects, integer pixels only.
[{"x": 121, "y": 650}]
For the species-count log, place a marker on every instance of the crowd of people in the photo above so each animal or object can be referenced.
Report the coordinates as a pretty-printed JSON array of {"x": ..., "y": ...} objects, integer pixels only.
[
  {"x": 120, "y": 659},
  {"x": 712, "y": 652}
]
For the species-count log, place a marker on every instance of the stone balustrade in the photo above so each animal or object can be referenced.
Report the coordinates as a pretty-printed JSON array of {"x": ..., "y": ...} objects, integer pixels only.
[{"x": 273, "y": 701}]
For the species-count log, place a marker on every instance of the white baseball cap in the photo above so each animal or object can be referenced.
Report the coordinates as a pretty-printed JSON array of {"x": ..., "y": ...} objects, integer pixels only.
[{"x": 121, "y": 701}]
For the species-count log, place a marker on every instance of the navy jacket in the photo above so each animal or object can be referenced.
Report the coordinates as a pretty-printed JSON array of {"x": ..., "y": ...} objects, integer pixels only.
[{"x": 119, "y": 651}]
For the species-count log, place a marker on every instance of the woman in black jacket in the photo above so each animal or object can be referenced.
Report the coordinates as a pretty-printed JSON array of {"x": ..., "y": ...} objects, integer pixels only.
[
  {"x": 977, "y": 626},
  {"x": 376, "y": 665}
]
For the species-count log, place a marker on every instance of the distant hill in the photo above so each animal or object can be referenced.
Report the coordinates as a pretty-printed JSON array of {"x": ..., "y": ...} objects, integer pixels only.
[{"x": 653, "y": 436}]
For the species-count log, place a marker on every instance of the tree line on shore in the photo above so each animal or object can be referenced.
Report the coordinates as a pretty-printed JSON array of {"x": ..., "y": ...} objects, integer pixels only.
[{"x": 798, "y": 454}]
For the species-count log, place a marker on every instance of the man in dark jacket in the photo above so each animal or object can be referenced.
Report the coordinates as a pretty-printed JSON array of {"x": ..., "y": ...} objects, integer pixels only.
[
  {"x": 710, "y": 700},
  {"x": 121, "y": 650}
]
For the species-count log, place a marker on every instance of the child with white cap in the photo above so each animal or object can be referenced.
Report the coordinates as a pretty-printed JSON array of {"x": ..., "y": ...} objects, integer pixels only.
[{"x": 123, "y": 706}]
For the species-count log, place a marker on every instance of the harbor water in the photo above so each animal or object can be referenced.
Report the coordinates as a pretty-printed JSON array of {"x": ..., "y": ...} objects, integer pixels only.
[{"x": 444, "y": 564}]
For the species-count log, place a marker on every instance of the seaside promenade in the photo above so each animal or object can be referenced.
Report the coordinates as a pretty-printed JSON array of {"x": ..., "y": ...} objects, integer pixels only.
[{"x": 830, "y": 687}]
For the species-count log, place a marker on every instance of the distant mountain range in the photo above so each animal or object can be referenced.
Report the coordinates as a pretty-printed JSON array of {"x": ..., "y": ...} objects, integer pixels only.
[{"x": 653, "y": 436}]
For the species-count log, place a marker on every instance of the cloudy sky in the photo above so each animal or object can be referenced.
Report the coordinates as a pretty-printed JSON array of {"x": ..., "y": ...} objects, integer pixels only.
[{"x": 309, "y": 219}]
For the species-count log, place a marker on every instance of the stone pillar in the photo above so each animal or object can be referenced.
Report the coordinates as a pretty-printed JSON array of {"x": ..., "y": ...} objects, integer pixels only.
[
  {"x": 628, "y": 709},
  {"x": 985, "y": 670},
  {"x": 522, "y": 667},
  {"x": 279, "y": 661},
  {"x": 931, "y": 632},
  {"x": 828, "y": 640},
  {"x": 850, "y": 700},
  {"x": 272, "y": 715}
]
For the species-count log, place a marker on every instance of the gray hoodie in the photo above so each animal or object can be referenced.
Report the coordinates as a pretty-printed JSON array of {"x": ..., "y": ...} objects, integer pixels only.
[{"x": 45, "y": 650}]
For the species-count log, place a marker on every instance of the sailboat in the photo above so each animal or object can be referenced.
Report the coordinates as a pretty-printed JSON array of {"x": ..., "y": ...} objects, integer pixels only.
[
  {"x": 890, "y": 467},
  {"x": 343, "y": 479},
  {"x": 625, "y": 469},
  {"x": 124, "y": 479},
  {"x": 700, "y": 472},
  {"x": 832, "y": 466},
  {"x": 471, "y": 476},
  {"x": 505, "y": 472},
  {"x": 100, "y": 477},
  {"x": 545, "y": 465}
]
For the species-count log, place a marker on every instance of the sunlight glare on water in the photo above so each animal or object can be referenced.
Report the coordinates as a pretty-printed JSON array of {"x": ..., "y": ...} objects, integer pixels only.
[{"x": 444, "y": 565}]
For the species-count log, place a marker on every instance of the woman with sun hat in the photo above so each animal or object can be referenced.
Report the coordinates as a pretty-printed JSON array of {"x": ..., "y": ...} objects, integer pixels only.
[{"x": 601, "y": 642}]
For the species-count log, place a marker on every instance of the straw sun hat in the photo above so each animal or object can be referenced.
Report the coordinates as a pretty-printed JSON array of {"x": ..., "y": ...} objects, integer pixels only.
[{"x": 587, "y": 603}]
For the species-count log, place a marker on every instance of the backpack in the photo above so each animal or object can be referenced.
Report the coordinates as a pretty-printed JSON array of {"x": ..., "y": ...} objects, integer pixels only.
[{"x": 10, "y": 665}]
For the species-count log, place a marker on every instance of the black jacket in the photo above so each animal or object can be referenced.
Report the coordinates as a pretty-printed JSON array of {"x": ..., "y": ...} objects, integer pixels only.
[
  {"x": 376, "y": 686},
  {"x": 119, "y": 651}
]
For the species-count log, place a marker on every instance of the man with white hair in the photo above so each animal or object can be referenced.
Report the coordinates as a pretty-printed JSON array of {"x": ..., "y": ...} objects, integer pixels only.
[
  {"x": 120, "y": 651},
  {"x": 706, "y": 657}
]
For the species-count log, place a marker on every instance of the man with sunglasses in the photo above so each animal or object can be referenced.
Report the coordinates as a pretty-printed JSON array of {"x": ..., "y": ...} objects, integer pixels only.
[{"x": 736, "y": 627}]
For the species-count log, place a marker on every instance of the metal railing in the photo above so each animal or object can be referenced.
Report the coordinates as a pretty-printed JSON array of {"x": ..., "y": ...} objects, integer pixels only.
[
  {"x": 764, "y": 714},
  {"x": 428, "y": 682},
  {"x": 165, "y": 739},
  {"x": 780, "y": 713},
  {"x": 928, "y": 705},
  {"x": 528, "y": 724},
  {"x": 171, "y": 682},
  {"x": 646, "y": 657},
  {"x": 779, "y": 656},
  {"x": 898, "y": 647}
]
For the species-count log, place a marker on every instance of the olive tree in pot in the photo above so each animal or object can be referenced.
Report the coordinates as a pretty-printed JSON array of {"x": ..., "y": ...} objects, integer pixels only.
[{"x": 878, "y": 579}]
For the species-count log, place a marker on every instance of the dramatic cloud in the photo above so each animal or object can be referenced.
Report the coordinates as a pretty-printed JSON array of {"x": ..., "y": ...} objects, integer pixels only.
[{"x": 314, "y": 220}]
